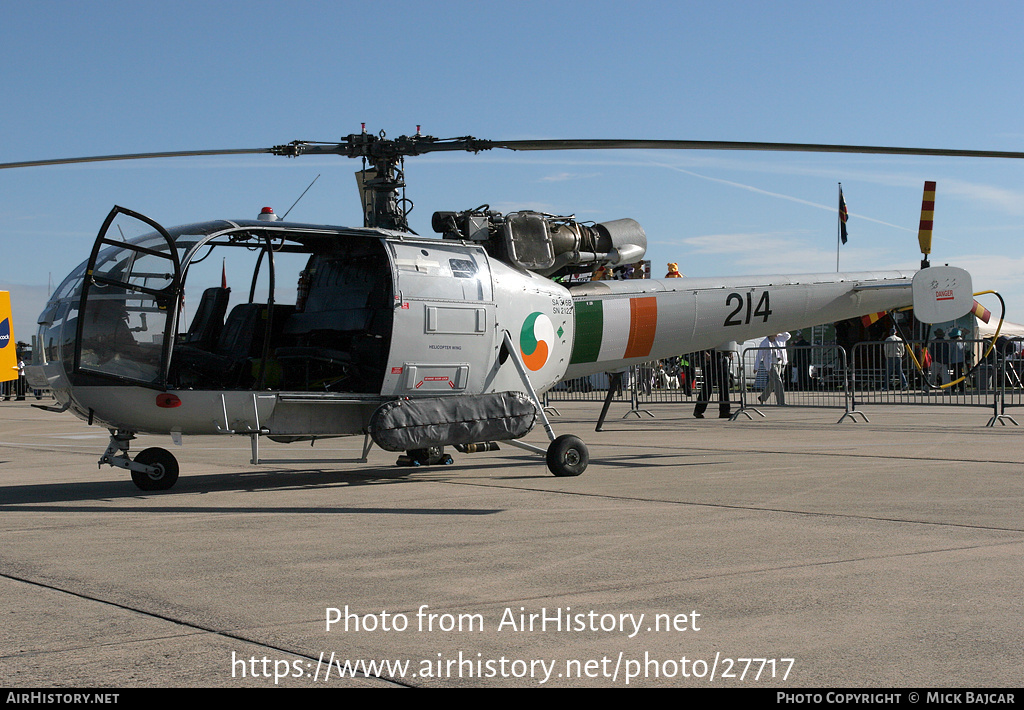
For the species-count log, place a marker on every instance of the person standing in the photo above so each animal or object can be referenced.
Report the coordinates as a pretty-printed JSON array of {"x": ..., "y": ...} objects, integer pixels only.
[
  {"x": 894, "y": 352},
  {"x": 20, "y": 386},
  {"x": 715, "y": 367},
  {"x": 940, "y": 358},
  {"x": 771, "y": 355},
  {"x": 802, "y": 363},
  {"x": 687, "y": 372},
  {"x": 958, "y": 355}
]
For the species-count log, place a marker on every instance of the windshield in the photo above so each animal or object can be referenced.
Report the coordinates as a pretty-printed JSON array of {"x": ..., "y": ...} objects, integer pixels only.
[{"x": 229, "y": 305}]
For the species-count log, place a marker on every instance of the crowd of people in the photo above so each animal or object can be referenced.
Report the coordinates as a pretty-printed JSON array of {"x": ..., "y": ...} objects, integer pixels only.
[
  {"x": 782, "y": 364},
  {"x": 17, "y": 389},
  {"x": 947, "y": 360},
  {"x": 715, "y": 365}
]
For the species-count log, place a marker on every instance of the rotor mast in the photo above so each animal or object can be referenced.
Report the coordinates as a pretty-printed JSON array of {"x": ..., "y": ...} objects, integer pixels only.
[{"x": 383, "y": 178}]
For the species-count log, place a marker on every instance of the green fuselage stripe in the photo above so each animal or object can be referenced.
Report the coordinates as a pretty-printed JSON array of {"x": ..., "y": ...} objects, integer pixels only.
[{"x": 589, "y": 330}]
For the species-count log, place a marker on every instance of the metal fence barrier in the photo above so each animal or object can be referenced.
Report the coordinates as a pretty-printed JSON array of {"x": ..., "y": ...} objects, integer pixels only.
[
  {"x": 914, "y": 372},
  {"x": 1007, "y": 364},
  {"x": 817, "y": 380},
  {"x": 813, "y": 376},
  {"x": 591, "y": 388},
  {"x": 938, "y": 373},
  {"x": 19, "y": 389},
  {"x": 935, "y": 373}
]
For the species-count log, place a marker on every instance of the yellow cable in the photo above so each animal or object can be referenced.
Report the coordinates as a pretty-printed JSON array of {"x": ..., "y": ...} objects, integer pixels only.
[{"x": 984, "y": 357}]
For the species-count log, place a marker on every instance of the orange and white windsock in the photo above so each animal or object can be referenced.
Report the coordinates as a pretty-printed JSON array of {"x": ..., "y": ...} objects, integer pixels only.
[{"x": 924, "y": 232}]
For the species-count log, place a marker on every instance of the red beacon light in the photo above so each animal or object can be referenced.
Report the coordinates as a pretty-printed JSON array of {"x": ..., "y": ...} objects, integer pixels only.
[
  {"x": 166, "y": 400},
  {"x": 267, "y": 215}
]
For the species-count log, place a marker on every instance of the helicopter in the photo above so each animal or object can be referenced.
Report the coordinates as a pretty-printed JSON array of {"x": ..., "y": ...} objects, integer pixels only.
[{"x": 415, "y": 343}]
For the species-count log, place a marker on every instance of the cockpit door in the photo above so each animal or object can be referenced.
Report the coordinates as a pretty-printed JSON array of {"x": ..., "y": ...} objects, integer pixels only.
[
  {"x": 130, "y": 301},
  {"x": 444, "y": 322}
]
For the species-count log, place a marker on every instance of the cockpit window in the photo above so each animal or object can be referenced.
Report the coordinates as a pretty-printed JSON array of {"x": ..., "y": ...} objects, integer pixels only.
[
  {"x": 122, "y": 334},
  {"x": 146, "y": 264},
  {"x": 442, "y": 272},
  {"x": 462, "y": 268}
]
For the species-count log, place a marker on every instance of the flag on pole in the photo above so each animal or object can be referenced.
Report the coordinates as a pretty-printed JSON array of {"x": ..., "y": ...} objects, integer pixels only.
[
  {"x": 843, "y": 216},
  {"x": 223, "y": 275}
]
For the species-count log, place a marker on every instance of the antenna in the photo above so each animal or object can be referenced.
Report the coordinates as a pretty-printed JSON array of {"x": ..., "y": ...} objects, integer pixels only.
[{"x": 285, "y": 215}]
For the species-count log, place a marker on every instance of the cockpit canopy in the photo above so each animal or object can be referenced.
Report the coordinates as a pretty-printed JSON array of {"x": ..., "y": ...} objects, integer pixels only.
[{"x": 287, "y": 306}]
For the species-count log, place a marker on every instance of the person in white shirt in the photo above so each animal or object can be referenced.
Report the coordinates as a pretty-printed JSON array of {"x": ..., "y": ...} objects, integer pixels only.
[
  {"x": 894, "y": 352},
  {"x": 772, "y": 357}
]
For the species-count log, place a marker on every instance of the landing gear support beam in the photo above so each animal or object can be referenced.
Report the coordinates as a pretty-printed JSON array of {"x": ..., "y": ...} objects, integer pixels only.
[
  {"x": 117, "y": 452},
  {"x": 567, "y": 455},
  {"x": 153, "y": 469}
]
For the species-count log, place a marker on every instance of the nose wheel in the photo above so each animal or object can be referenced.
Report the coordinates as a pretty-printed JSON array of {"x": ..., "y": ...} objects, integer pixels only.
[
  {"x": 161, "y": 473},
  {"x": 153, "y": 469}
]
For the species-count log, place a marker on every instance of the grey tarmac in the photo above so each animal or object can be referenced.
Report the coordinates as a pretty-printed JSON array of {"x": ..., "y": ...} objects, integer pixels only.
[{"x": 696, "y": 553}]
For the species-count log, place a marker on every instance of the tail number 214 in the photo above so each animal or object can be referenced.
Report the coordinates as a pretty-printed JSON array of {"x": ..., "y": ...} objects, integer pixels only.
[{"x": 744, "y": 310}]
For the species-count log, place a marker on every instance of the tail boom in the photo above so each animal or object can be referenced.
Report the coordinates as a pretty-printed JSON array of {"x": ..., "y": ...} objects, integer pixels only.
[{"x": 620, "y": 323}]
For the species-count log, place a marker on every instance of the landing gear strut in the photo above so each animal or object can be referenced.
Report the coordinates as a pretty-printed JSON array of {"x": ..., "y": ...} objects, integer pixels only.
[
  {"x": 153, "y": 469},
  {"x": 567, "y": 455}
]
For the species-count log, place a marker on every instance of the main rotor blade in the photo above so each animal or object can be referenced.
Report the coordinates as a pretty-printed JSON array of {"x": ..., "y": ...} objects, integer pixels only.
[
  {"x": 417, "y": 145},
  {"x": 586, "y": 144},
  {"x": 134, "y": 156}
]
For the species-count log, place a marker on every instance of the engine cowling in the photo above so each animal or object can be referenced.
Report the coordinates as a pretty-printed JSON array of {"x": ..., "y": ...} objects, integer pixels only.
[{"x": 546, "y": 244}]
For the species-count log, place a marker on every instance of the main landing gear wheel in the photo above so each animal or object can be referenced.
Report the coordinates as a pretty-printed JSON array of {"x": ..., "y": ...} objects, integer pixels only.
[
  {"x": 568, "y": 456},
  {"x": 166, "y": 474}
]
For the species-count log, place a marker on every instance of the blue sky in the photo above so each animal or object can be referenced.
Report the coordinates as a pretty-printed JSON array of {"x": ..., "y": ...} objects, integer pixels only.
[{"x": 108, "y": 77}]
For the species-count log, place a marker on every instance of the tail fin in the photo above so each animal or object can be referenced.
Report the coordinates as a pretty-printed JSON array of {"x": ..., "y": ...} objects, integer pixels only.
[{"x": 8, "y": 345}]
